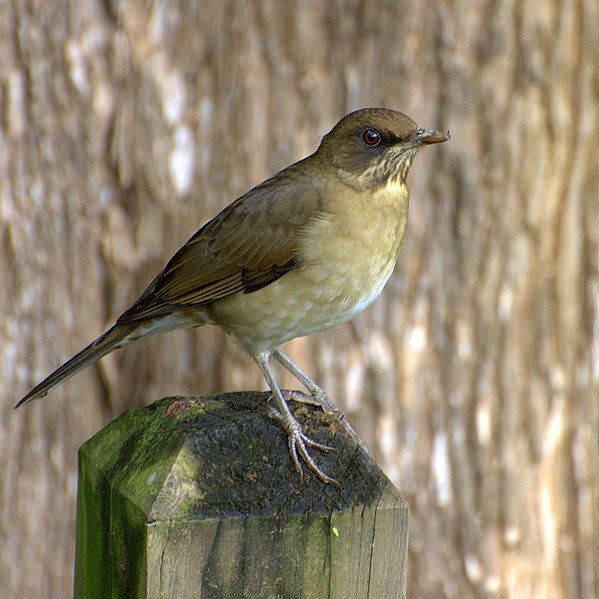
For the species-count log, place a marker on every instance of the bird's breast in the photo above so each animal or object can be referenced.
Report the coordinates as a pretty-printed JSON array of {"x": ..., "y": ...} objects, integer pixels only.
[
  {"x": 347, "y": 256},
  {"x": 351, "y": 253}
]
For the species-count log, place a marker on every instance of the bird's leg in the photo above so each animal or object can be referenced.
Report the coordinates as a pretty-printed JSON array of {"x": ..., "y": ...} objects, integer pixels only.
[
  {"x": 297, "y": 440},
  {"x": 317, "y": 397}
]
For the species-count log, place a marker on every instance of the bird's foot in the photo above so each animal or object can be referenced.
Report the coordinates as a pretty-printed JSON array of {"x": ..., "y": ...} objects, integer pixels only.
[
  {"x": 318, "y": 398},
  {"x": 298, "y": 443},
  {"x": 321, "y": 400}
]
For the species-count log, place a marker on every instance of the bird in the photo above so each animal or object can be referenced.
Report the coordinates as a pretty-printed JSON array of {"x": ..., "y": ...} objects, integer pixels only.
[{"x": 305, "y": 250}]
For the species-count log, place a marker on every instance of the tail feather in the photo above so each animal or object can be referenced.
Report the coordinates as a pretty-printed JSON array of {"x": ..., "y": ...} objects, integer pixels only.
[{"x": 112, "y": 339}]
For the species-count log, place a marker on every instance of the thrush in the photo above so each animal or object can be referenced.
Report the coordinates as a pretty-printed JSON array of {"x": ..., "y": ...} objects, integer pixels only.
[{"x": 304, "y": 251}]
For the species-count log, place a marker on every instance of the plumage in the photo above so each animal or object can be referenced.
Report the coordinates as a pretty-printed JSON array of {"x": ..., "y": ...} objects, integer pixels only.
[{"x": 307, "y": 249}]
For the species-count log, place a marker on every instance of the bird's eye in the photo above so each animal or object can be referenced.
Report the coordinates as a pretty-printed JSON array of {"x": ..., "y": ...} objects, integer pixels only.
[{"x": 371, "y": 137}]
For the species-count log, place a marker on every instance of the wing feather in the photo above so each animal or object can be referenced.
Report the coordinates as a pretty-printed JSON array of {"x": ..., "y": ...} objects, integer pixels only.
[{"x": 250, "y": 244}]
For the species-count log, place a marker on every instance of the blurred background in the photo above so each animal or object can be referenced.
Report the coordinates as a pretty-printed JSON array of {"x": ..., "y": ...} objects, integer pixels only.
[{"x": 474, "y": 378}]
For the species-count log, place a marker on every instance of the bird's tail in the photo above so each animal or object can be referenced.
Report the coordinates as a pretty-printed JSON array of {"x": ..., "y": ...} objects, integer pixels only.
[{"x": 113, "y": 338}]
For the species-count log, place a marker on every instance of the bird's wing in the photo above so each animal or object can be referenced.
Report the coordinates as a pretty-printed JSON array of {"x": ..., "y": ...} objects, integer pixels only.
[{"x": 250, "y": 244}]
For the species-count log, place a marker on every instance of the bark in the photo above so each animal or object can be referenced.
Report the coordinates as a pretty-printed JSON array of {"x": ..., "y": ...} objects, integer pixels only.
[{"x": 474, "y": 378}]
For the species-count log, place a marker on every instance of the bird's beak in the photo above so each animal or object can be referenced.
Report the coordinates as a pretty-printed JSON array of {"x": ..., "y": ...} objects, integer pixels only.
[{"x": 429, "y": 136}]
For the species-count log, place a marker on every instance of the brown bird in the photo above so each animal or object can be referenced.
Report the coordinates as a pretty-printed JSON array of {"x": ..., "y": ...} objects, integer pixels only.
[{"x": 304, "y": 251}]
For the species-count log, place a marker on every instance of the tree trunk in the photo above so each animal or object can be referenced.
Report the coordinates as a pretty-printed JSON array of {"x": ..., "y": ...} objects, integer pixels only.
[{"x": 473, "y": 379}]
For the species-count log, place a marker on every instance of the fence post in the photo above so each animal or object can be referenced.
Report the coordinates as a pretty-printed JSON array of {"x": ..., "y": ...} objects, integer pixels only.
[{"x": 197, "y": 497}]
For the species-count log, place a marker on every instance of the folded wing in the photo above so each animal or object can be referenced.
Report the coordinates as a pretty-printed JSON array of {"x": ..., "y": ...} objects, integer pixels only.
[{"x": 250, "y": 244}]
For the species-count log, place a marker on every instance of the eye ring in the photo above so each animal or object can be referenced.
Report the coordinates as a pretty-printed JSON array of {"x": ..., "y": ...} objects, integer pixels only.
[{"x": 371, "y": 137}]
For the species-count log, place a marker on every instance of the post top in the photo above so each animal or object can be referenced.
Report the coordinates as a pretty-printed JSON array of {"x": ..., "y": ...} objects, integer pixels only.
[{"x": 188, "y": 458}]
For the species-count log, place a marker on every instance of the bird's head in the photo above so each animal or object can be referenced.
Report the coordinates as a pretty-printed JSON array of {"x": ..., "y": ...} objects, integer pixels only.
[{"x": 372, "y": 147}]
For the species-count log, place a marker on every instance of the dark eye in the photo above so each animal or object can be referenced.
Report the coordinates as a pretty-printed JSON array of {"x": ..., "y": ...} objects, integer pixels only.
[{"x": 371, "y": 137}]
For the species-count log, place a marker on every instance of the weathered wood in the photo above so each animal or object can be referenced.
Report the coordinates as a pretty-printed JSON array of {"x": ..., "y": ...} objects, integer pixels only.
[{"x": 197, "y": 497}]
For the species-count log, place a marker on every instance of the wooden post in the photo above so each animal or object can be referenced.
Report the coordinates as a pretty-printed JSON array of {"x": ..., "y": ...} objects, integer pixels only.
[{"x": 197, "y": 497}]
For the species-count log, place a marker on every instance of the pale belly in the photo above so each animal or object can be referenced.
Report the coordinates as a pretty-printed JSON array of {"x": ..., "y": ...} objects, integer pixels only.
[{"x": 301, "y": 303}]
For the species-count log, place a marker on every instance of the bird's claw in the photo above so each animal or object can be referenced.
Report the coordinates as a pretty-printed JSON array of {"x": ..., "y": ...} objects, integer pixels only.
[
  {"x": 322, "y": 401},
  {"x": 319, "y": 399},
  {"x": 298, "y": 443}
]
